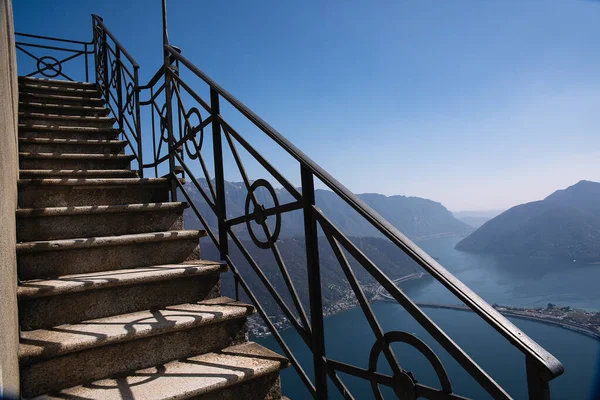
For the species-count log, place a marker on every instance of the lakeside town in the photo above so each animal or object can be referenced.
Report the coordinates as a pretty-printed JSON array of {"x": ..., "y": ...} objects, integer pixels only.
[{"x": 578, "y": 320}]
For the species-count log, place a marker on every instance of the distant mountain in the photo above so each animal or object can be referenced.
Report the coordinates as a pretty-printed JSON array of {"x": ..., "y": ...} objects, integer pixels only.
[
  {"x": 475, "y": 218},
  {"x": 415, "y": 217},
  {"x": 565, "y": 224}
]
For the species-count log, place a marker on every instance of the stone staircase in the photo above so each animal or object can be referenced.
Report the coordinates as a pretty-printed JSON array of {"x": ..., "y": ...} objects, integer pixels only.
[{"x": 114, "y": 300}]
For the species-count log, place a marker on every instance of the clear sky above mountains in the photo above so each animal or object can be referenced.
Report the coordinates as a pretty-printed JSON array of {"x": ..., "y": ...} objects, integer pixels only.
[{"x": 476, "y": 104}]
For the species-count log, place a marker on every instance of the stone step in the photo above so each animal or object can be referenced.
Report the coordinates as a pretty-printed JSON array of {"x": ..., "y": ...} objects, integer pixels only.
[
  {"x": 41, "y": 193},
  {"x": 76, "y": 173},
  {"x": 76, "y": 100},
  {"x": 71, "y": 146},
  {"x": 61, "y": 109},
  {"x": 52, "y": 258},
  {"x": 29, "y": 160},
  {"x": 36, "y": 118},
  {"x": 243, "y": 372},
  {"x": 53, "y": 223},
  {"x": 50, "y": 87},
  {"x": 113, "y": 345},
  {"x": 61, "y": 129},
  {"x": 69, "y": 134},
  {"x": 68, "y": 299},
  {"x": 56, "y": 82}
]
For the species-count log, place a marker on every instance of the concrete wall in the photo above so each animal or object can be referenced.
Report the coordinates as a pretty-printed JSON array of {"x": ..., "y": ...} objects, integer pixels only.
[{"x": 9, "y": 168}]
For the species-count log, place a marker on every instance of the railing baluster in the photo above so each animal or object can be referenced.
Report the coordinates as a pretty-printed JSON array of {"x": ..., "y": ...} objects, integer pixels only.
[
  {"x": 219, "y": 176},
  {"x": 85, "y": 48},
  {"x": 105, "y": 62},
  {"x": 169, "y": 127},
  {"x": 118, "y": 77},
  {"x": 537, "y": 386},
  {"x": 138, "y": 122},
  {"x": 314, "y": 283}
]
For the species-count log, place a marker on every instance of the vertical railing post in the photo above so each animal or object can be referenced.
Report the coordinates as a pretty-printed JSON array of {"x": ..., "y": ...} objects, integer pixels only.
[
  {"x": 119, "y": 87},
  {"x": 95, "y": 50},
  {"x": 169, "y": 127},
  {"x": 86, "y": 55},
  {"x": 215, "y": 111},
  {"x": 537, "y": 386},
  {"x": 169, "y": 103},
  {"x": 314, "y": 282},
  {"x": 138, "y": 122},
  {"x": 105, "y": 62}
]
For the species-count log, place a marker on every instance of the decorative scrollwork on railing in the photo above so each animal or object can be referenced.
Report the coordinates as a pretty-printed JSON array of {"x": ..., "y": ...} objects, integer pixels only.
[
  {"x": 130, "y": 97},
  {"x": 190, "y": 130}
]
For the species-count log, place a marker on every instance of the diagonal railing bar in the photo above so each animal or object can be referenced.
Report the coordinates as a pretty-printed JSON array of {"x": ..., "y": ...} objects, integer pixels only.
[
  {"x": 262, "y": 161},
  {"x": 190, "y": 91},
  {"x": 362, "y": 300},
  {"x": 431, "y": 327},
  {"x": 176, "y": 141},
  {"x": 337, "y": 381},
  {"x": 197, "y": 185},
  {"x": 289, "y": 354},
  {"x": 207, "y": 228},
  {"x": 302, "y": 331}
]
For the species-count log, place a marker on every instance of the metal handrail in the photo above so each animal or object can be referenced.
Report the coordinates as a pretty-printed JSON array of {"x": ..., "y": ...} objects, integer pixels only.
[
  {"x": 470, "y": 298},
  {"x": 100, "y": 22}
]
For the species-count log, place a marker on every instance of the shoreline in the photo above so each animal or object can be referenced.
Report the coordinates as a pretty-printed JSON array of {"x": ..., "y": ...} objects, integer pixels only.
[
  {"x": 508, "y": 313},
  {"x": 548, "y": 321}
]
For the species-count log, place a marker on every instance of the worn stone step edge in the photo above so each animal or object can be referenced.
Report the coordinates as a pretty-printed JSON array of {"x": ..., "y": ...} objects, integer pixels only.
[
  {"x": 64, "y": 339},
  {"x": 60, "y": 97},
  {"x": 106, "y": 241},
  {"x": 60, "y": 82},
  {"x": 75, "y": 283},
  {"x": 179, "y": 379},
  {"x": 79, "y": 129},
  {"x": 100, "y": 173},
  {"x": 59, "y": 107},
  {"x": 78, "y": 142},
  {"x": 50, "y": 87},
  {"x": 76, "y": 156},
  {"x": 23, "y": 213},
  {"x": 61, "y": 117},
  {"x": 95, "y": 182}
]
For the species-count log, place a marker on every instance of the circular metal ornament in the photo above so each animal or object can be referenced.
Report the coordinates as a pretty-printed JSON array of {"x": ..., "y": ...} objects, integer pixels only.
[
  {"x": 49, "y": 66},
  {"x": 404, "y": 382},
  {"x": 190, "y": 133},
  {"x": 259, "y": 214}
]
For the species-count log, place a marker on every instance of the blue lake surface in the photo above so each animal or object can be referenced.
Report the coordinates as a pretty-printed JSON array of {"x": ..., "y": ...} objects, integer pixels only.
[{"x": 503, "y": 280}]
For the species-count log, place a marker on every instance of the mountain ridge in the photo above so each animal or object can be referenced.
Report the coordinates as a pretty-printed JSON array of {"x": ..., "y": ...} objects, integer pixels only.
[
  {"x": 565, "y": 224},
  {"x": 414, "y": 216}
]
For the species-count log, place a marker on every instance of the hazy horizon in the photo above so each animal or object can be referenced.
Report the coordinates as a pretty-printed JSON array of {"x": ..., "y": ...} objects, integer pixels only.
[{"x": 477, "y": 105}]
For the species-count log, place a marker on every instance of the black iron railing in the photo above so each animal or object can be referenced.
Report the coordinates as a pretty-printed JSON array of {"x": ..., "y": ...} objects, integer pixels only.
[
  {"x": 176, "y": 119},
  {"x": 56, "y": 52}
]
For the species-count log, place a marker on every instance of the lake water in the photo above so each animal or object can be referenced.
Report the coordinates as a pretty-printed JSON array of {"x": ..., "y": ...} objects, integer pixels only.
[{"x": 502, "y": 280}]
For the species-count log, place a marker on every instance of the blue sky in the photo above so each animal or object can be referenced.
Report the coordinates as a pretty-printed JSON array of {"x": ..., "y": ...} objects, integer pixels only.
[{"x": 478, "y": 104}]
